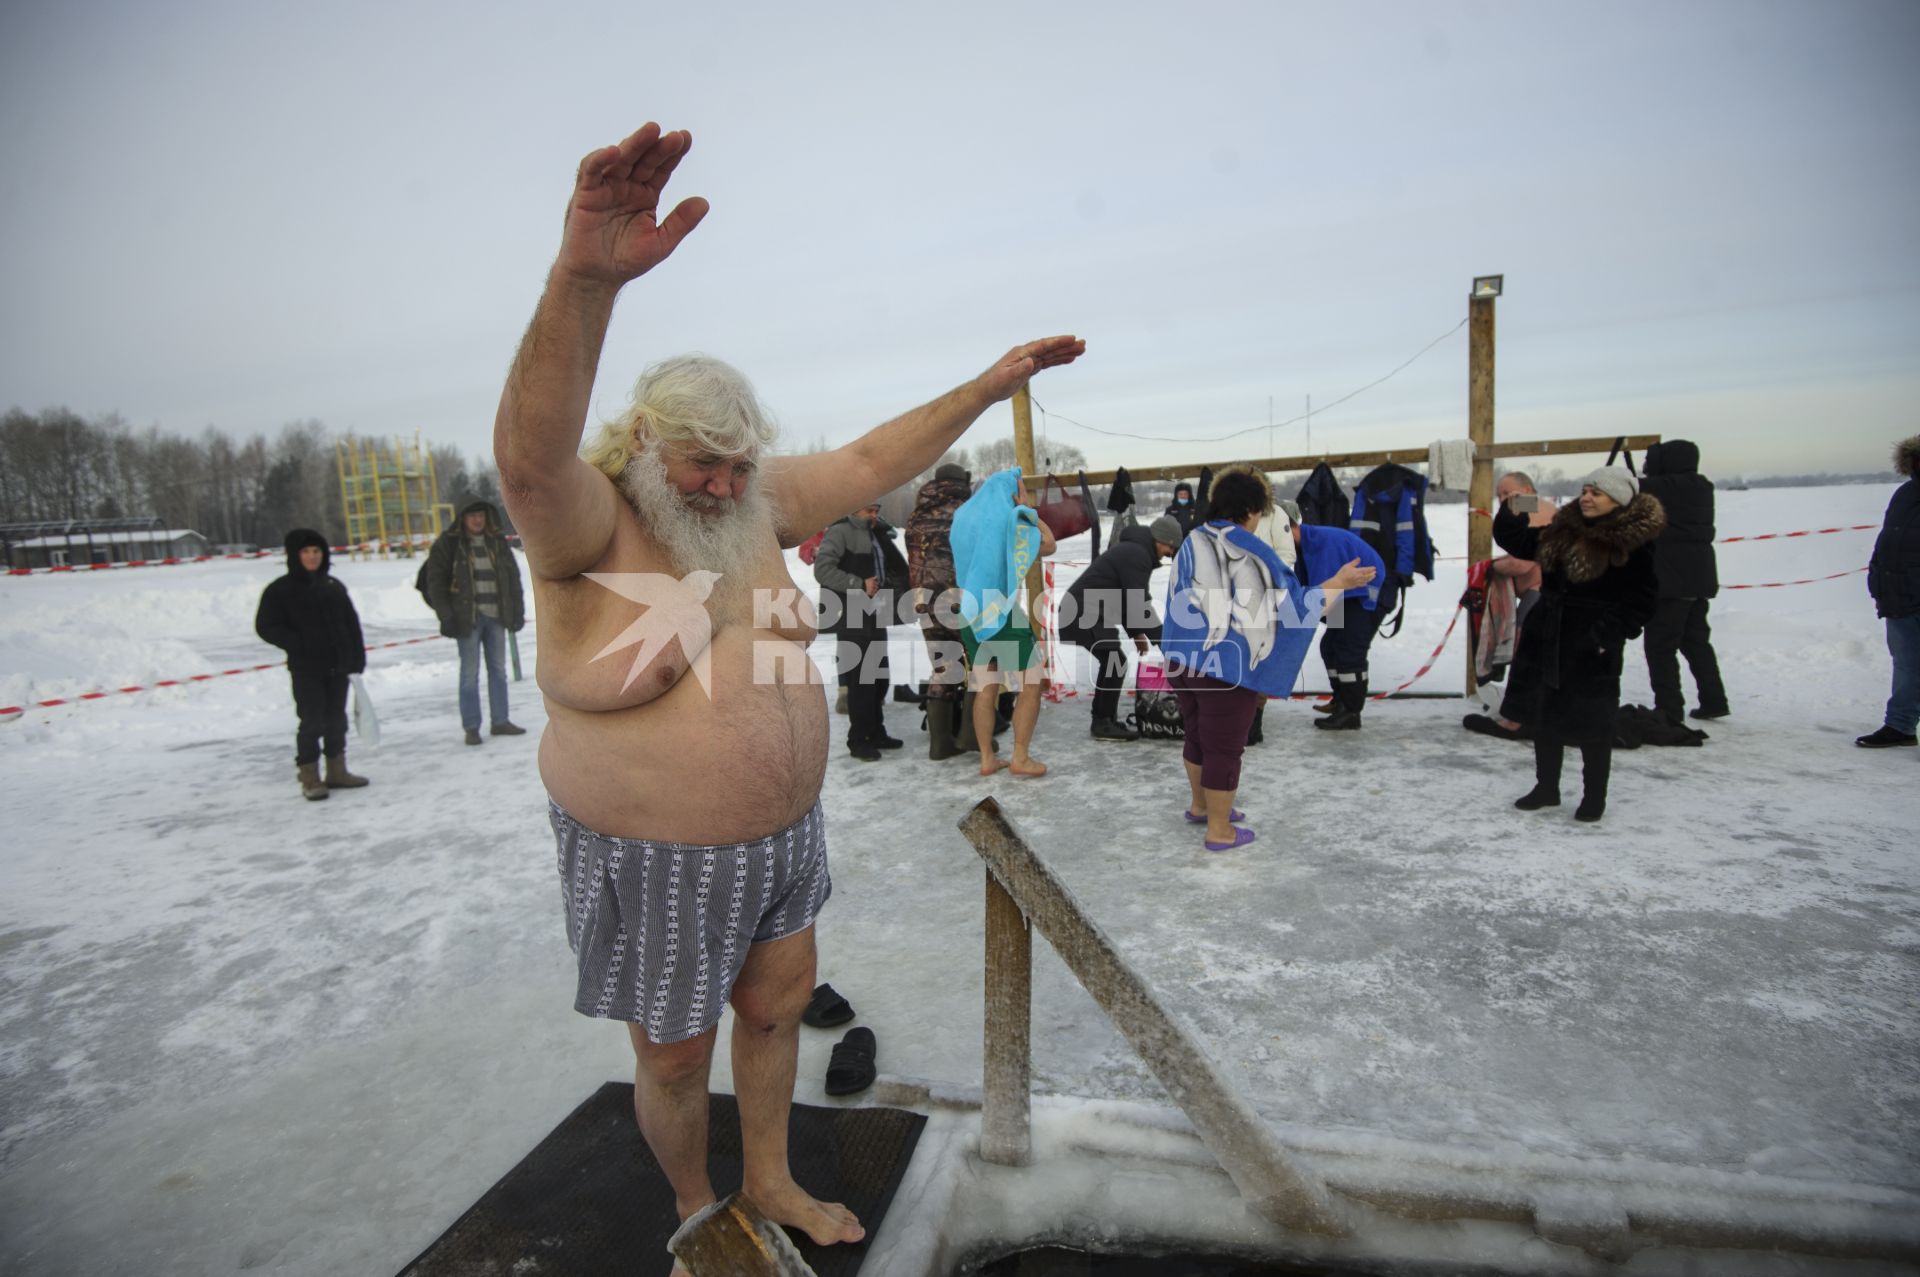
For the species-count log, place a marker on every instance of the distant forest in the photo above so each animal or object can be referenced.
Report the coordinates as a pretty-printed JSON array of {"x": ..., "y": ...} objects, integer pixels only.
[{"x": 56, "y": 465}]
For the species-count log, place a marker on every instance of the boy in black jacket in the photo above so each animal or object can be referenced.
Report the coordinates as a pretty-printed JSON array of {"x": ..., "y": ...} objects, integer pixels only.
[{"x": 307, "y": 614}]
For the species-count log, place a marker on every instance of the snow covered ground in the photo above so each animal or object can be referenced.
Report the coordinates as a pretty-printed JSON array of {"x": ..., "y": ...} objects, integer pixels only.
[{"x": 239, "y": 1031}]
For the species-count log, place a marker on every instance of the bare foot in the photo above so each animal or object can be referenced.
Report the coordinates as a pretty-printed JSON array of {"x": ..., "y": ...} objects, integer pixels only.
[
  {"x": 1028, "y": 767},
  {"x": 990, "y": 764},
  {"x": 825, "y": 1222}
]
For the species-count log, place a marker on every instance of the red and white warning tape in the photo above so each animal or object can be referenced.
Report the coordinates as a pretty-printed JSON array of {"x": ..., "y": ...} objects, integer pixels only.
[
  {"x": 1807, "y": 532},
  {"x": 1812, "y": 580},
  {"x": 183, "y": 682},
  {"x": 172, "y": 561}
]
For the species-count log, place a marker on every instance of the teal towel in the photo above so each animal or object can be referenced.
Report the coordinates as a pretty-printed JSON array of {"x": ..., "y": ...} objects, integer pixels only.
[{"x": 995, "y": 542}]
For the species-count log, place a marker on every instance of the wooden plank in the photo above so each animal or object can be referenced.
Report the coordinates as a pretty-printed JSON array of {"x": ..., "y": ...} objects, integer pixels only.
[
  {"x": 1598, "y": 444},
  {"x": 1274, "y": 1183},
  {"x": 1006, "y": 1105}
]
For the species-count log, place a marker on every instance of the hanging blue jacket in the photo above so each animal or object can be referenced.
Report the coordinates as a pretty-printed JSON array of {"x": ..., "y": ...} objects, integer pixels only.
[
  {"x": 1400, "y": 536},
  {"x": 1324, "y": 551}
]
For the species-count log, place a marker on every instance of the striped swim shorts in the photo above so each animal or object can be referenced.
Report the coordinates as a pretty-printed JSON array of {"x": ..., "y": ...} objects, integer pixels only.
[{"x": 661, "y": 929}]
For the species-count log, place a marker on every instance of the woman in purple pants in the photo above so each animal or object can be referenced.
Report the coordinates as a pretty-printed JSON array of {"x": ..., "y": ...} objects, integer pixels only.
[{"x": 1237, "y": 628}]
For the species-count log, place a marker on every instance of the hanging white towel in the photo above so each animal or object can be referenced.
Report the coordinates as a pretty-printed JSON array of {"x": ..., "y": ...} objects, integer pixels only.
[{"x": 1450, "y": 464}]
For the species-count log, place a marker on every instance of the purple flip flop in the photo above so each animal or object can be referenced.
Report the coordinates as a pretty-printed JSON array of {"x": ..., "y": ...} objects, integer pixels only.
[
  {"x": 1192, "y": 819},
  {"x": 1241, "y": 837}
]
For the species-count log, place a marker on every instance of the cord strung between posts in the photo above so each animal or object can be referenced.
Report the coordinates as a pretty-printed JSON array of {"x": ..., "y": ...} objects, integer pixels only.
[{"x": 1277, "y": 425}]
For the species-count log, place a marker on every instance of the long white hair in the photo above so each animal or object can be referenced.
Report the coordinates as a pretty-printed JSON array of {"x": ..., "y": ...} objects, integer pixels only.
[{"x": 689, "y": 401}]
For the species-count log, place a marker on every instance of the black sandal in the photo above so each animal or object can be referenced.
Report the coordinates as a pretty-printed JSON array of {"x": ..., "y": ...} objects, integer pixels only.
[
  {"x": 826, "y": 1009},
  {"x": 850, "y": 1068}
]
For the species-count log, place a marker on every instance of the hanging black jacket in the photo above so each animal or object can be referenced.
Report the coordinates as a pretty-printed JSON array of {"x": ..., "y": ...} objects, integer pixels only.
[
  {"x": 1893, "y": 574},
  {"x": 1322, "y": 501},
  {"x": 1114, "y": 590},
  {"x": 1683, "y": 557},
  {"x": 1120, "y": 495},
  {"x": 309, "y": 616}
]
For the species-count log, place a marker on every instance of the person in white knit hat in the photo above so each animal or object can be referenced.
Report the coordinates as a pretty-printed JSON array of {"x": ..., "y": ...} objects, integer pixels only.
[{"x": 1597, "y": 591}]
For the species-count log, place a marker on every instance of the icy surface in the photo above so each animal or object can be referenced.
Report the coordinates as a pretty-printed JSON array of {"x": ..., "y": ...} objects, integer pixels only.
[{"x": 254, "y": 1032}]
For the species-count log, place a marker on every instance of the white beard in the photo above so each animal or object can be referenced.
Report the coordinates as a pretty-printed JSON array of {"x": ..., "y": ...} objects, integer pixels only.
[{"x": 699, "y": 531}]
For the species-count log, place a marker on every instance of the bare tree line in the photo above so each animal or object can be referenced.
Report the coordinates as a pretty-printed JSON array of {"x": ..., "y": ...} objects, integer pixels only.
[{"x": 56, "y": 465}]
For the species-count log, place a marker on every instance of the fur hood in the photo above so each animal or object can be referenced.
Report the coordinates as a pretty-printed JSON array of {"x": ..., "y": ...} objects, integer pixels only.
[
  {"x": 1584, "y": 550},
  {"x": 1906, "y": 457}
]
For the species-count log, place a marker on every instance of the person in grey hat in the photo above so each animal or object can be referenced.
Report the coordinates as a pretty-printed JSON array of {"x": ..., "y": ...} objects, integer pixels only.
[{"x": 1112, "y": 594}]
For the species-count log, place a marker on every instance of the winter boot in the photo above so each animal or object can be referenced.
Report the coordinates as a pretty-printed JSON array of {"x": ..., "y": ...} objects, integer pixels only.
[
  {"x": 338, "y": 777},
  {"x": 940, "y": 734},
  {"x": 310, "y": 786},
  {"x": 1349, "y": 697},
  {"x": 1112, "y": 729},
  {"x": 1885, "y": 738},
  {"x": 1539, "y": 796},
  {"x": 1547, "y": 757},
  {"x": 1596, "y": 767}
]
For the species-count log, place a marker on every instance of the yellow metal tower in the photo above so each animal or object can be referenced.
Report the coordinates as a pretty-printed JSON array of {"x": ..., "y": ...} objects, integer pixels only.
[{"x": 389, "y": 497}]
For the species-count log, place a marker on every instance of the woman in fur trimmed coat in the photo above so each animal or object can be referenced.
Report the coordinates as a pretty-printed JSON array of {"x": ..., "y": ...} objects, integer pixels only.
[{"x": 1597, "y": 591}]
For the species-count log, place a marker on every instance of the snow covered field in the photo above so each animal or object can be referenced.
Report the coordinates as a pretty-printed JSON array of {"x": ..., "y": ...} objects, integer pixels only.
[{"x": 239, "y": 1031}]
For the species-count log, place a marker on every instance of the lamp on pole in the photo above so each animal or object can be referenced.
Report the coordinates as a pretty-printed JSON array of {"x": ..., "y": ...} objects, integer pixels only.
[{"x": 1480, "y": 299}]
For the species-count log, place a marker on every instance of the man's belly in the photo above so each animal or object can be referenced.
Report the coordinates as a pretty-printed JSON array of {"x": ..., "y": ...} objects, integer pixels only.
[{"x": 686, "y": 767}]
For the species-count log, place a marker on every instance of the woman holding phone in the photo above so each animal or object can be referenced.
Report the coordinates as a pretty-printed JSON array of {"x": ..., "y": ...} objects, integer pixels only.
[{"x": 1597, "y": 591}]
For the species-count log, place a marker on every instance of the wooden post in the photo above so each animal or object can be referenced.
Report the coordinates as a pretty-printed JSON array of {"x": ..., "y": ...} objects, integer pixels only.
[
  {"x": 1006, "y": 1103},
  {"x": 1480, "y": 430},
  {"x": 1029, "y": 473}
]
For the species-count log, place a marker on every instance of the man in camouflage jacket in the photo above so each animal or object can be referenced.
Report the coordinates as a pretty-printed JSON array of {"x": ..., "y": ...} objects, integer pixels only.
[{"x": 931, "y": 572}]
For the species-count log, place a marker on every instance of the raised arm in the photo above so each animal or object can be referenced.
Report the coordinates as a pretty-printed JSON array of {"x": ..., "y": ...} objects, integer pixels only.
[
  {"x": 564, "y": 508},
  {"x": 811, "y": 492}
]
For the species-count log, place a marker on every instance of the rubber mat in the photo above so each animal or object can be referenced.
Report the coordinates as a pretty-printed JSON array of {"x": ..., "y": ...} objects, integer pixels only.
[{"x": 590, "y": 1199}]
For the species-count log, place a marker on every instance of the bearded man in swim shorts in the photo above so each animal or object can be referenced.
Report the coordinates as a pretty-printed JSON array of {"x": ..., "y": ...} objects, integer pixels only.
[{"x": 687, "y": 730}]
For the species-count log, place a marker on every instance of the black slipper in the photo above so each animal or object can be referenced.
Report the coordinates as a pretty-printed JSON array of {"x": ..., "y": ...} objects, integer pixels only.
[
  {"x": 850, "y": 1068},
  {"x": 826, "y": 1009}
]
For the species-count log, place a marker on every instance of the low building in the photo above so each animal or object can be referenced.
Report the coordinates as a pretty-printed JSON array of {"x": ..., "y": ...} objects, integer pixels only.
[{"x": 79, "y": 545}]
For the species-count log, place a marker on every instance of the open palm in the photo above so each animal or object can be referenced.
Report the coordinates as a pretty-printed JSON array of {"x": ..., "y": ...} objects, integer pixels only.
[
  {"x": 1017, "y": 367},
  {"x": 614, "y": 231}
]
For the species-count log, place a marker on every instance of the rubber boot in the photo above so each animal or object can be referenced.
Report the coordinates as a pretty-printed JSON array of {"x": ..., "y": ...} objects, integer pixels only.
[
  {"x": 964, "y": 737},
  {"x": 940, "y": 734},
  {"x": 338, "y": 777},
  {"x": 311, "y": 787},
  {"x": 1350, "y": 697}
]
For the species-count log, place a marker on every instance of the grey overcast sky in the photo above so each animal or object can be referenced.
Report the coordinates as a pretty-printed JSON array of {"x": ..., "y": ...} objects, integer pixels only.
[{"x": 242, "y": 214}]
